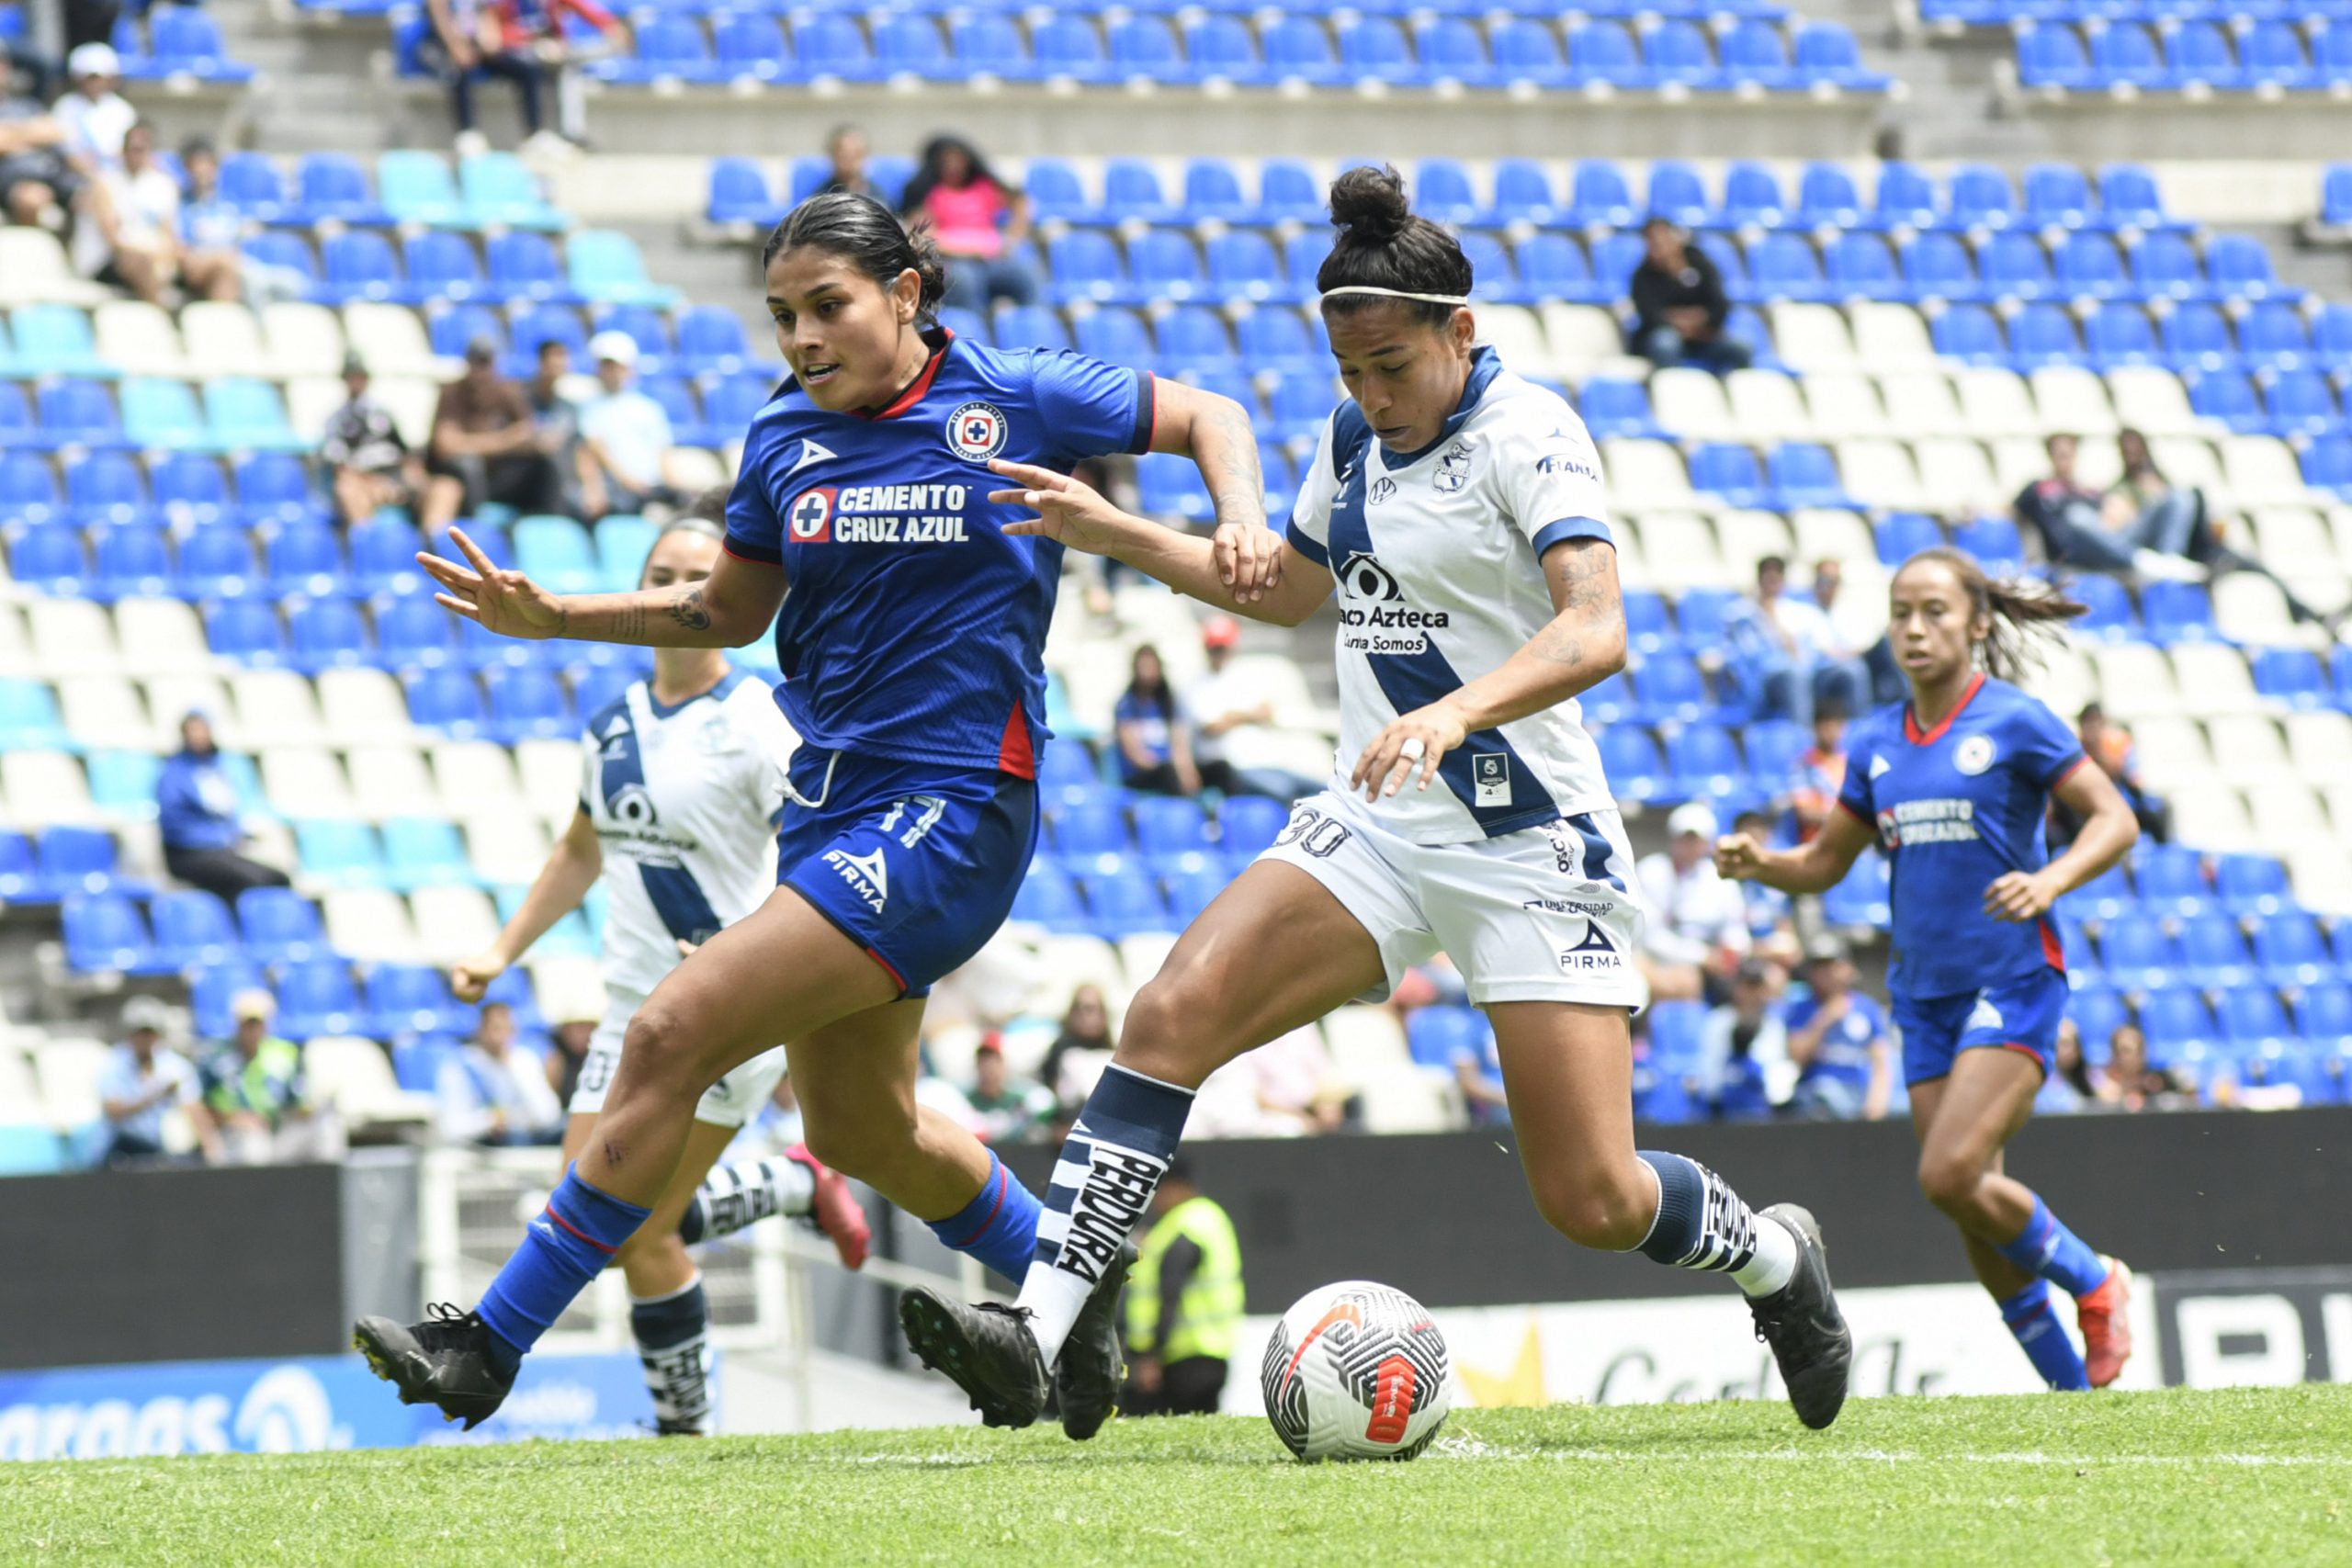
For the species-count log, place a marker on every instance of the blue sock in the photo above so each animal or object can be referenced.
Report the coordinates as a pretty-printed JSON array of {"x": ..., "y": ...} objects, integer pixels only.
[
  {"x": 2043, "y": 1339},
  {"x": 569, "y": 1245},
  {"x": 672, "y": 1333},
  {"x": 2058, "y": 1255},
  {"x": 1119, "y": 1148},
  {"x": 998, "y": 1227}
]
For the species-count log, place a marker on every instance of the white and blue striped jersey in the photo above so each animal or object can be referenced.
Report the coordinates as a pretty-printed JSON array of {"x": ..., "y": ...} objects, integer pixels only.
[
  {"x": 685, "y": 800},
  {"x": 1437, "y": 554}
]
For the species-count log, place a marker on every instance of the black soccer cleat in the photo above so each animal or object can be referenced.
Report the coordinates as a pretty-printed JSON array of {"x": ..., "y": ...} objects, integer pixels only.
[
  {"x": 1802, "y": 1323},
  {"x": 1088, "y": 1375},
  {"x": 445, "y": 1360},
  {"x": 987, "y": 1350}
]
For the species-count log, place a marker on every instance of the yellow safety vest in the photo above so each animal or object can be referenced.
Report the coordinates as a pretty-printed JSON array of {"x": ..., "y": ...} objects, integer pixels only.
[{"x": 1209, "y": 1312}]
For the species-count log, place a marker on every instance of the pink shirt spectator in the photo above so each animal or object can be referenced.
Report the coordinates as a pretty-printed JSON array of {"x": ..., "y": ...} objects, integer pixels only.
[{"x": 963, "y": 220}]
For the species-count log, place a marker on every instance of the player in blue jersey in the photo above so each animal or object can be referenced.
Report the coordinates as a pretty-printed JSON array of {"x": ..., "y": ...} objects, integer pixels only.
[
  {"x": 911, "y": 645},
  {"x": 1955, "y": 785},
  {"x": 1459, "y": 514}
]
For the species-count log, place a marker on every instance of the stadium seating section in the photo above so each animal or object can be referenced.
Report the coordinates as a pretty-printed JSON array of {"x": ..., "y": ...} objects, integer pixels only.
[
  {"x": 168, "y": 548},
  {"x": 2198, "y": 46}
]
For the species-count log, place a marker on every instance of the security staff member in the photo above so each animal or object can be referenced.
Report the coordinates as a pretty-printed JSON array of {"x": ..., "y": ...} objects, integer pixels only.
[{"x": 1183, "y": 1310}]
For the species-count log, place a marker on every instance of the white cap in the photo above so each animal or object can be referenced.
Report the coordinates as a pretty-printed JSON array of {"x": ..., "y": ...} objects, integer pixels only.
[
  {"x": 1692, "y": 816},
  {"x": 94, "y": 59},
  {"x": 145, "y": 1012},
  {"x": 618, "y": 347},
  {"x": 252, "y": 1002}
]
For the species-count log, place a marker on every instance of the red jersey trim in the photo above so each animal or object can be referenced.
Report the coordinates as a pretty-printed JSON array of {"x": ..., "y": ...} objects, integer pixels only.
[
  {"x": 2071, "y": 770},
  {"x": 745, "y": 553},
  {"x": 920, "y": 387},
  {"x": 1911, "y": 730},
  {"x": 2051, "y": 947},
  {"x": 1855, "y": 812},
  {"x": 1014, "y": 755},
  {"x": 888, "y": 968}
]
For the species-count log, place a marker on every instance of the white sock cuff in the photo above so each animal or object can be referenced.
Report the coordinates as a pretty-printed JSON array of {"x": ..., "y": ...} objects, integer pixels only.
[
  {"x": 636, "y": 1300},
  {"x": 1157, "y": 1083}
]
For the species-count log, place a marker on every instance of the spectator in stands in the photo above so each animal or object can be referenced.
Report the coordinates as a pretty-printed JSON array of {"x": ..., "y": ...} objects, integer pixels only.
[
  {"x": 569, "y": 1038},
  {"x": 25, "y": 73},
  {"x": 38, "y": 185},
  {"x": 367, "y": 460},
  {"x": 1679, "y": 306},
  {"x": 196, "y": 811},
  {"x": 2070, "y": 1087},
  {"x": 1298, "y": 1089},
  {"x": 630, "y": 450},
  {"x": 1079, "y": 1051},
  {"x": 494, "y": 1092},
  {"x": 1154, "y": 738},
  {"x": 2177, "y": 535},
  {"x": 2129, "y": 1083},
  {"x": 558, "y": 413},
  {"x": 210, "y": 229},
  {"x": 978, "y": 222},
  {"x": 129, "y": 233},
  {"x": 1821, "y": 772},
  {"x": 1697, "y": 932},
  {"x": 1771, "y": 928},
  {"x": 1785, "y": 655},
  {"x": 253, "y": 1084},
  {"x": 2110, "y": 745},
  {"x": 94, "y": 116},
  {"x": 1744, "y": 1049},
  {"x": 144, "y": 1079},
  {"x": 520, "y": 40},
  {"x": 2141, "y": 528},
  {"x": 485, "y": 447},
  {"x": 1005, "y": 1110},
  {"x": 2065, "y": 514},
  {"x": 1859, "y": 624},
  {"x": 1839, "y": 1040},
  {"x": 847, "y": 150},
  {"x": 1220, "y": 702}
]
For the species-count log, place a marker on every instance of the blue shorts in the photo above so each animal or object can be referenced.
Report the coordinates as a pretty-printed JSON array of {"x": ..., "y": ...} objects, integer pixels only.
[
  {"x": 916, "y": 862},
  {"x": 2018, "y": 1014}
]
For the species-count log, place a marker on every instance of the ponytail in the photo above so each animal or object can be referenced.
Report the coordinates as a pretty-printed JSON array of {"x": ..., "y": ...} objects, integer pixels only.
[{"x": 2026, "y": 616}]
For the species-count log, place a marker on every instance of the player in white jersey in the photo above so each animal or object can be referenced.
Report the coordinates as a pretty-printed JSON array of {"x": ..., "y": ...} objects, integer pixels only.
[
  {"x": 1459, "y": 513},
  {"x": 680, "y": 784}
]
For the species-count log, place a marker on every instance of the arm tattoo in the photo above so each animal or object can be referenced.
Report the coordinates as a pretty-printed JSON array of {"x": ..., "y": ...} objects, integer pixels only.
[
  {"x": 1235, "y": 480},
  {"x": 629, "y": 624},
  {"x": 1584, "y": 578},
  {"x": 687, "y": 610}
]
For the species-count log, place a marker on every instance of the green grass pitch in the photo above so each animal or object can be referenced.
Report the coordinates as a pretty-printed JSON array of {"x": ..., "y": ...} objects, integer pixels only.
[{"x": 2253, "y": 1477}]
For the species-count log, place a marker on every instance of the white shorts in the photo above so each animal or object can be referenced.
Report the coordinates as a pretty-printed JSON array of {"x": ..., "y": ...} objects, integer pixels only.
[
  {"x": 732, "y": 1101},
  {"x": 1546, "y": 914}
]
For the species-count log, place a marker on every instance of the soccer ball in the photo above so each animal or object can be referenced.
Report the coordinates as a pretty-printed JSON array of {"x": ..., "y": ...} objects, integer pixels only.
[{"x": 1356, "y": 1370}]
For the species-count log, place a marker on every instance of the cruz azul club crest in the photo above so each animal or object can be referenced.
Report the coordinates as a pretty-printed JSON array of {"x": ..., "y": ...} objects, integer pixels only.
[{"x": 976, "y": 431}]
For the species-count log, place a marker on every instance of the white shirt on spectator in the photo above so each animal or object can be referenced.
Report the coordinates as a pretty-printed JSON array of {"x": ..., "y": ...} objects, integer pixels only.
[
  {"x": 124, "y": 1079},
  {"x": 1213, "y": 696},
  {"x": 1769, "y": 1051},
  {"x": 146, "y": 211},
  {"x": 95, "y": 126},
  {"x": 1692, "y": 913},
  {"x": 632, "y": 431}
]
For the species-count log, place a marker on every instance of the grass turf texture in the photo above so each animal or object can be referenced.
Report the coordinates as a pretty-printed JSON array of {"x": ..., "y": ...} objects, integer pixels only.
[{"x": 2252, "y": 1476}]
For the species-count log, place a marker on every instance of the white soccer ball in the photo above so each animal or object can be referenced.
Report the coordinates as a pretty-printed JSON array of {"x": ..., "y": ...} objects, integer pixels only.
[{"x": 1356, "y": 1370}]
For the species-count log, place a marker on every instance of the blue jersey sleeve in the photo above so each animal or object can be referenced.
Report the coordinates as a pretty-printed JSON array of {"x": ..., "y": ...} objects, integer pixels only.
[
  {"x": 1854, "y": 795},
  {"x": 752, "y": 530},
  {"x": 2040, "y": 744},
  {"x": 1092, "y": 409}
]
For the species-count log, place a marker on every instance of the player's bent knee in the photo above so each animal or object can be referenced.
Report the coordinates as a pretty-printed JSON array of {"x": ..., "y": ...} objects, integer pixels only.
[
  {"x": 1950, "y": 1180},
  {"x": 1171, "y": 1031},
  {"x": 1604, "y": 1215},
  {"x": 658, "y": 1050},
  {"x": 865, "y": 1151}
]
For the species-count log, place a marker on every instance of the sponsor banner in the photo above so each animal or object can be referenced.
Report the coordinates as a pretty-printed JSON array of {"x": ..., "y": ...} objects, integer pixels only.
[
  {"x": 2255, "y": 1327},
  {"x": 301, "y": 1405},
  {"x": 1907, "y": 1339}
]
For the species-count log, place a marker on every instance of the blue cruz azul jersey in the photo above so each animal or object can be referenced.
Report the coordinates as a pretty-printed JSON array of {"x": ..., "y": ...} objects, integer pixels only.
[
  {"x": 1955, "y": 808},
  {"x": 913, "y": 627}
]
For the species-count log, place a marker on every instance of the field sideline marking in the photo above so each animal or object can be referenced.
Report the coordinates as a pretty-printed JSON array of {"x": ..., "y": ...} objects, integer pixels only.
[{"x": 1474, "y": 1449}]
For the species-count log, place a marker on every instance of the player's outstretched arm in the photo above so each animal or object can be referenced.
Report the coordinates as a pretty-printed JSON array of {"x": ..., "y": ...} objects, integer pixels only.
[
  {"x": 571, "y": 869},
  {"x": 2110, "y": 830},
  {"x": 733, "y": 605},
  {"x": 1076, "y": 515},
  {"x": 1582, "y": 644},
  {"x": 1213, "y": 431},
  {"x": 1814, "y": 867}
]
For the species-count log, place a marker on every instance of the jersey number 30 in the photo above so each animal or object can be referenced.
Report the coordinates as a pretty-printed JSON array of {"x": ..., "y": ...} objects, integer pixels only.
[{"x": 1311, "y": 830}]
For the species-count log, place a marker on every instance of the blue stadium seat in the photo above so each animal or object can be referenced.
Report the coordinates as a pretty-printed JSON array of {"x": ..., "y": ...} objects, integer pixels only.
[
  {"x": 2122, "y": 54},
  {"x": 190, "y": 489},
  {"x": 1048, "y": 898},
  {"x": 55, "y": 340},
  {"x": 193, "y": 928},
  {"x": 19, "y": 878},
  {"x": 1804, "y": 474},
  {"x": 1289, "y": 192},
  {"x": 1630, "y": 757},
  {"x": 1783, "y": 267},
  {"x": 1753, "y": 53},
  {"x": 16, "y": 413},
  {"x": 448, "y": 700},
  {"x": 2214, "y": 953},
  {"x": 1751, "y": 197},
  {"x": 1599, "y": 197},
  {"x": 2291, "y": 951},
  {"x": 53, "y": 560},
  {"x": 104, "y": 934},
  {"x": 2270, "y": 54},
  {"x": 28, "y": 490},
  {"x": 1084, "y": 264},
  {"x": 1529, "y": 53},
  {"x": 2332, "y": 56},
  {"x": 529, "y": 705},
  {"x": 1824, "y": 53},
  {"x": 250, "y": 183},
  {"x": 1859, "y": 267},
  {"x": 1213, "y": 194},
  {"x": 244, "y": 413},
  {"x": 122, "y": 784},
  {"x": 523, "y": 266},
  {"x": 1118, "y": 337},
  {"x": 424, "y": 852},
  {"x": 280, "y": 925},
  {"x": 1125, "y": 905},
  {"x": 161, "y": 414},
  {"x": 2251, "y": 884},
  {"x": 710, "y": 339},
  {"x": 2198, "y": 337},
  {"x": 2179, "y": 1027},
  {"x": 2057, "y": 195},
  {"x": 409, "y": 998},
  {"x": 1297, "y": 50},
  {"x": 315, "y": 997},
  {"x": 1676, "y": 192},
  {"x": 604, "y": 266},
  {"x": 1676, "y": 51},
  {"x": 2014, "y": 265},
  {"x": 1221, "y": 50},
  {"x": 2088, "y": 267},
  {"x": 1616, "y": 407},
  {"x": 1247, "y": 824},
  {"x": 2119, "y": 334},
  {"x": 2325, "y": 1014},
  {"x": 2042, "y": 334},
  {"x": 2292, "y": 676},
  {"x": 327, "y": 634},
  {"x": 130, "y": 560},
  {"x": 739, "y": 191},
  {"x": 2128, "y": 199},
  {"x": 911, "y": 47},
  {"x": 1649, "y": 623},
  {"x": 1441, "y": 1035},
  {"x": 2302, "y": 403},
  {"x": 542, "y": 323},
  {"x": 1450, "y": 50},
  {"x": 1827, "y": 198},
  {"x": 417, "y": 187},
  {"x": 246, "y": 631},
  {"x": 1171, "y": 825},
  {"x": 1604, "y": 51},
  {"x": 1670, "y": 688},
  {"x": 2109, "y": 614},
  {"x": 831, "y": 46},
  {"x": 1860, "y": 897},
  {"x": 358, "y": 263},
  {"x": 2228, "y": 396},
  {"x": 79, "y": 413},
  {"x": 2272, "y": 333},
  {"x": 106, "y": 488},
  {"x": 2103, "y": 897},
  {"x": 2170, "y": 879},
  {"x": 497, "y": 189},
  {"x": 1906, "y": 198},
  {"x": 2239, "y": 265},
  {"x": 1375, "y": 49},
  {"x": 1131, "y": 193},
  {"x": 2198, "y": 53},
  {"x": 2327, "y": 464},
  {"x": 2137, "y": 954}
]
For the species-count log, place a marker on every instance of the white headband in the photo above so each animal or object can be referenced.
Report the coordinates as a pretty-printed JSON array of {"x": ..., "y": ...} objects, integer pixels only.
[{"x": 1397, "y": 294}]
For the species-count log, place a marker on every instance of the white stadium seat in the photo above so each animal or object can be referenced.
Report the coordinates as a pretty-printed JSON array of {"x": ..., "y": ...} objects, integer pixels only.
[
  {"x": 1690, "y": 405},
  {"x": 2321, "y": 876},
  {"x": 2073, "y": 400},
  {"x": 472, "y": 774},
  {"x": 304, "y": 339},
  {"x": 138, "y": 339},
  {"x": 2251, "y": 609},
  {"x": 105, "y": 712},
  {"x": 1582, "y": 338},
  {"x": 2135, "y": 681},
  {"x": 505, "y": 845},
  {"x": 2338, "y": 799},
  {"x": 390, "y": 781},
  {"x": 1646, "y": 476},
  {"x": 2170, "y": 750},
  {"x": 1955, "y": 471},
  {"x": 1747, "y": 537},
  {"x": 1994, "y": 404},
  {"x": 1365, "y": 1043},
  {"x": 1832, "y": 533},
  {"x": 370, "y": 925},
  {"x": 452, "y": 923},
  {"x": 47, "y": 789},
  {"x": 2248, "y": 749},
  {"x": 1410, "y": 1101},
  {"x": 2262, "y": 472},
  {"x": 2213, "y": 680},
  {"x": 16, "y": 644},
  {"x": 161, "y": 637},
  {"x": 2187, "y": 461},
  {"x": 551, "y": 777},
  {"x": 1680, "y": 548},
  {"x": 310, "y": 402},
  {"x": 1812, "y": 337},
  {"x": 305, "y": 782},
  {"x": 1768, "y": 407},
  {"x": 277, "y": 707},
  {"x": 2212, "y": 818},
  {"x": 2319, "y": 747},
  {"x": 1517, "y": 340},
  {"x": 72, "y": 637},
  {"x": 172, "y": 698},
  {"x": 68, "y": 1071},
  {"x": 2287, "y": 813},
  {"x": 1879, "y": 473},
  {"x": 2153, "y": 403},
  {"x": 362, "y": 706},
  {"x": 33, "y": 269},
  {"x": 1892, "y": 337},
  {"x": 1843, "y": 404},
  {"x": 391, "y": 338},
  {"x": 1918, "y": 404},
  {"x": 224, "y": 339},
  {"x": 355, "y": 1077}
]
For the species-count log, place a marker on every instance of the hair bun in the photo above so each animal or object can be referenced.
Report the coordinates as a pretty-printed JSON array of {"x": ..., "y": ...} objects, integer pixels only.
[{"x": 1368, "y": 205}]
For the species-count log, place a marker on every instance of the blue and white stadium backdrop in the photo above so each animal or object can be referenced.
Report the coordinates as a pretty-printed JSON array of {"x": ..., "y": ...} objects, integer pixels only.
[{"x": 300, "y": 1405}]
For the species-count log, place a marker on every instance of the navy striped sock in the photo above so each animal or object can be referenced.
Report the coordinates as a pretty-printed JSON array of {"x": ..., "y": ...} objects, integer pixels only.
[
  {"x": 1103, "y": 1183},
  {"x": 672, "y": 1335}
]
